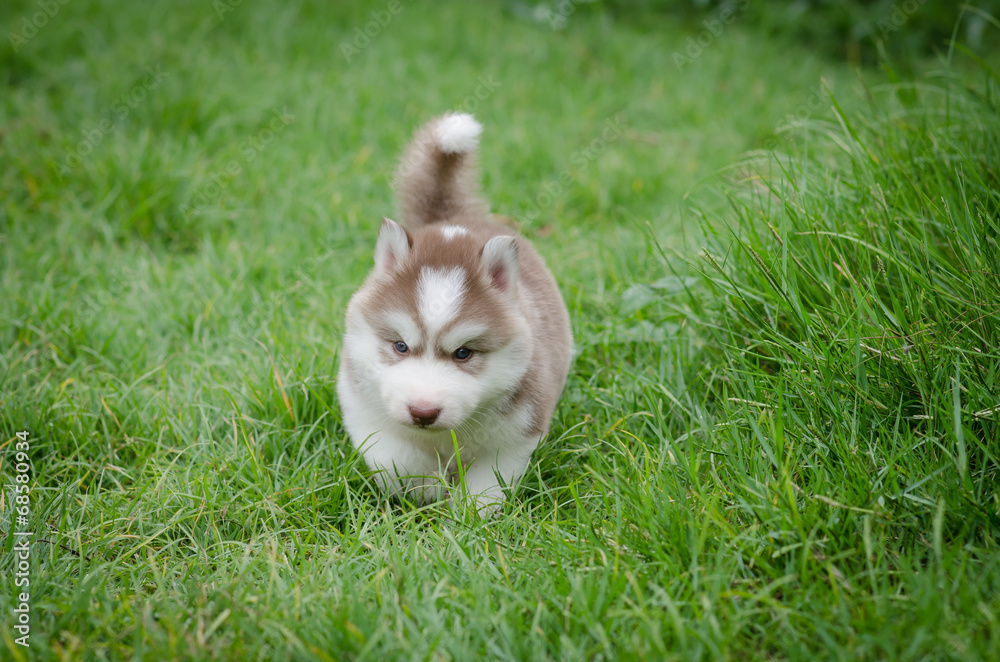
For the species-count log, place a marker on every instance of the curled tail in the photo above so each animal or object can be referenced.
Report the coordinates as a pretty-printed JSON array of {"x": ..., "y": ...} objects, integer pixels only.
[{"x": 437, "y": 177}]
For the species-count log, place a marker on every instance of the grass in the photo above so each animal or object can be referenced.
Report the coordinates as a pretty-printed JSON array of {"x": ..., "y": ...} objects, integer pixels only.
[{"x": 779, "y": 439}]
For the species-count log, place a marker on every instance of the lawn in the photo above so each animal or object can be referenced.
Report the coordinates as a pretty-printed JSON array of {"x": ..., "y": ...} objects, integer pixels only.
[{"x": 779, "y": 439}]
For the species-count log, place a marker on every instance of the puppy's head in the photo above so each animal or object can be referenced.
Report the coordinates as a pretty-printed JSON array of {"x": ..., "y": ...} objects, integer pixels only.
[{"x": 435, "y": 335}]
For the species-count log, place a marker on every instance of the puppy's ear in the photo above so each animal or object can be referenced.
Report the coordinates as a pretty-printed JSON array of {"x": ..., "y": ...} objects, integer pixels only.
[
  {"x": 392, "y": 247},
  {"x": 501, "y": 263}
]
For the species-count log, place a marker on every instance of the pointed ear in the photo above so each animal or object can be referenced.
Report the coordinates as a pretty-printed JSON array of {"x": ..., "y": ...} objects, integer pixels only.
[
  {"x": 501, "y": 263},
  {"x": 392, "y": 247}
]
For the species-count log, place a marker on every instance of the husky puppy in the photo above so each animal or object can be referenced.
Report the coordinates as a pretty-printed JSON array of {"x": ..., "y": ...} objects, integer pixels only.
[{"x": 460, "y": 328}]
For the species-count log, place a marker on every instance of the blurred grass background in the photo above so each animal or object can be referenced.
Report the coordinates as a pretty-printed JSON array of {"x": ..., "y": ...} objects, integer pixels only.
[{"x": 779, "y": 439}]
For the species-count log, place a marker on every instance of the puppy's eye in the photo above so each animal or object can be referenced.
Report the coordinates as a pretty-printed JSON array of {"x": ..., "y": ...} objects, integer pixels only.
[
  {"x": 400, "y": 347},
  {"x": 462, "y": 354}
]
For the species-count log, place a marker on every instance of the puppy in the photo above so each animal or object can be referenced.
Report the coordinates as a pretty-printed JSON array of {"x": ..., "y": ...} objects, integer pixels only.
[{"x": 458, "y": 344}]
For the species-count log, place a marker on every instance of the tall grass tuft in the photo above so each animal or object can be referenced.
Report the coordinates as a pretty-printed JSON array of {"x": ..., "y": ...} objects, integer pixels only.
[{"x": 854, "y": 338}]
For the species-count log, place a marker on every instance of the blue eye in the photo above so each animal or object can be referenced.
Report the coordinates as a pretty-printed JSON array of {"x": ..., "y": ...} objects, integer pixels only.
[
  {"x": 400, "y": 347},
  {"x": 462, "y": 353}
]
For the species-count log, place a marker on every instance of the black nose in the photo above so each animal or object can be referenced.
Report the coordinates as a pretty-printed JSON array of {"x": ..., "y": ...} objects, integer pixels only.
[{"x": 424, "y": 416}]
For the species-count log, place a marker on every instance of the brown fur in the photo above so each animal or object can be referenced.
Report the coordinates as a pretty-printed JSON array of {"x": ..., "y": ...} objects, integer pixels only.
[
  {"x": 538, "y": 301},
  {"x": 435, "y": 187},
  {"x": 432, "y": 185}
]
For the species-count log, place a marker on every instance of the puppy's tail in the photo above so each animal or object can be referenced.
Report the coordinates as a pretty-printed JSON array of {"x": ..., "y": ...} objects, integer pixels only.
[{"x": 437, "y": 178}]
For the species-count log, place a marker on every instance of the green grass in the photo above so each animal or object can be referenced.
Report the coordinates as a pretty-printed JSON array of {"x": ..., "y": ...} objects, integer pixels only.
[{"x": 779, "y": 439}]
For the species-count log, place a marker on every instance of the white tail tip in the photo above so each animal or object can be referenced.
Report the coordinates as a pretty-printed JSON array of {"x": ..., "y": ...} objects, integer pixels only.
[{"x": 457, "y": 133}]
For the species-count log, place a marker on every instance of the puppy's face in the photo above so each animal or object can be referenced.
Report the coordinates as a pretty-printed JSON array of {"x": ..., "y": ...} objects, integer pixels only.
[{"x": 435, "y": 335}]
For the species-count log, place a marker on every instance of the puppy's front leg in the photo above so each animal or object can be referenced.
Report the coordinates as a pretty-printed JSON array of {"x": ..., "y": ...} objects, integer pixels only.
[
  {"x": 404, "y": 470},
  {"x": 482, "y": 476}
]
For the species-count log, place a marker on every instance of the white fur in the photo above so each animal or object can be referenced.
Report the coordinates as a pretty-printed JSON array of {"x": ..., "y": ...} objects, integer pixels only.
[
  {"x": 458, "y": 133},
  {"x": 459, "y": 335},
  {"x": 501, "y": 263},
  {"x": 406, "y": 327},
  {"x": 415, "y": 462},
  {"x": 392, "y": 246},
  {"x": 451, "y": 231},
  {"x": 491, "y": 411},
  {"x": 440, "y": 293}
]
